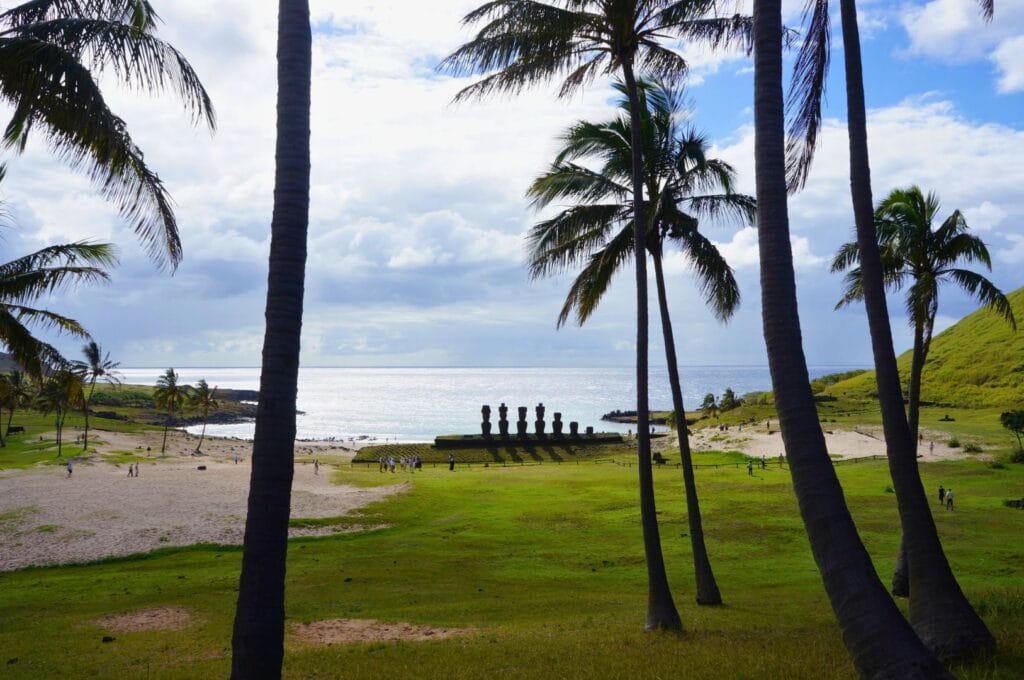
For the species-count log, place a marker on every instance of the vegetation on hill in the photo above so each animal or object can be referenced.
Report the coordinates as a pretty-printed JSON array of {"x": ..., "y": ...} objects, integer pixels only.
[{"x": 978, "y": 362}]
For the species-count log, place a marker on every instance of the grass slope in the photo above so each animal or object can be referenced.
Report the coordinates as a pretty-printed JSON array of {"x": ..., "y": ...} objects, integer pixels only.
[
  {"x": 978, "y": 362},
  {"x": 546, "y": 563}
]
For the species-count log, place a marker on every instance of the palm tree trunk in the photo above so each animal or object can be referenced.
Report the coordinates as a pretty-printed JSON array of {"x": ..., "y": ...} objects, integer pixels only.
[
  {"x": 939, "y": 611},
  {"x": 202, "y": 435},
  {"x": 707, "y": 587},
  {"x": 879, "y": 640},
  {"x": 661, "y": 609},
  {"x": 258, "y": 637},
  {"x": 914, "y": 388},
  {"x": 85, "y": 412},
  {"x": 167, "y": 425}
]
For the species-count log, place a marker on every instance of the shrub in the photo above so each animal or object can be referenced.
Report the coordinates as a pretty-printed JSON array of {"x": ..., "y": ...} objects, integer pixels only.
[
  {"x": 972, "y": 448},
  {"x": 953, "y": 443},
  {"x": 997, "y": 465},
  {"x": 1017, "y": 456}
]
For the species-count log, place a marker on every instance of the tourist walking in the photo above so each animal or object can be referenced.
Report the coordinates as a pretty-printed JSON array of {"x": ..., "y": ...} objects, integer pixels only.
[
  {"x": 316, "y": 466},
  {"x": 942, "y": 495},
  {"x": 949, "y": 499},
  {"x": 69, "y": 468},
  {"x": 451, "y": 462},
  {"x": 131, "y": 470},
  {"x": 750, "y": 468}
]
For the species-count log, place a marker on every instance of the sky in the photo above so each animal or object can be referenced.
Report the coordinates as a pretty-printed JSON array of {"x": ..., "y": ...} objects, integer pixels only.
[{"x": 416, "y": 249}]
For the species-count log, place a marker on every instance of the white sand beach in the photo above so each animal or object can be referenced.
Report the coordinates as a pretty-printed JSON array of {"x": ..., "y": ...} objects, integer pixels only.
[
  {"x": 862, "y": 442},
  {"x": 100, "y": 512}
]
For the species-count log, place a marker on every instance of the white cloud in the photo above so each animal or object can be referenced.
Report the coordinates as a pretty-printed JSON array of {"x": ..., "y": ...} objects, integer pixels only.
[{"x": 954, "y": 32}]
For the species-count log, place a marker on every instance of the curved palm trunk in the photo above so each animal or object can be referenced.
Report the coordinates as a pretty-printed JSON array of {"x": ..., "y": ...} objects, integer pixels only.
[
  {"x": 167, "y": 426},
  {"x": 707, "y": 587},
  {"x": 85, "y": 413},
  {"x": 879, "y": 640},
  {"x": 258, "y": 637},
  {"x": 202, "y": 435},
  {"x": 939, "y": 611},
  {"x": 661, "y": 609}
]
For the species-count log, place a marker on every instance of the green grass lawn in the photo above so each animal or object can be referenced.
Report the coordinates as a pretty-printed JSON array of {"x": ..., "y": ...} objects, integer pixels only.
[{"x": 544, "y": 562}]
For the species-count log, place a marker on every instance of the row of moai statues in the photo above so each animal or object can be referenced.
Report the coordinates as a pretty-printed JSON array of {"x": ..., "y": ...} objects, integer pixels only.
[{"x": 521, "y": 425}]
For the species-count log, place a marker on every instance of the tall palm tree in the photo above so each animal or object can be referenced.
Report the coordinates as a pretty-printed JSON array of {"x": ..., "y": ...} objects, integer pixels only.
[
  {"x": 97, "y": 365},
  {"x": 49, "y": 52},
  {"x": 169, "y": 396},
  {"x": 61, "y": 393},
  {"x": 920, "y": 257},
  {"x": 940, "y": 613},
  {"x": 203, "y": 399},
  {"x": 526, "y": 42},
  {"x": 8, "y": 401},
  {"x": 27, "y": 279},
  {"x": 258, "y": 637},
  {"x": 596, "y": 232},
  {"x": 878, "y": 638}
]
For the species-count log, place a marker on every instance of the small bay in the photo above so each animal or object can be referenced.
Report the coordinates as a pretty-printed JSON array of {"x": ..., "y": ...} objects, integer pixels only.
[{"x": 416, "y": 404}]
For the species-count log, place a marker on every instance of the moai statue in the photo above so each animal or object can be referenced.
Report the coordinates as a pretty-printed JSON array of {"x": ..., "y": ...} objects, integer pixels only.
[
  {"x": 574, "y": 428},
  {"x": 521, "y": 424},
  {"x": 556, "y": 424},
  {"x": 503, "y": 420},
  {"x": 485, "y": 426},
  {"x": 539, "y": 423},
  {"x": 590, "y": 430}
]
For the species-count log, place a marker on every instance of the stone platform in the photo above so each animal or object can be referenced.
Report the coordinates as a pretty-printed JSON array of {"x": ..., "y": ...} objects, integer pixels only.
[{"x": 477, "y": 441}]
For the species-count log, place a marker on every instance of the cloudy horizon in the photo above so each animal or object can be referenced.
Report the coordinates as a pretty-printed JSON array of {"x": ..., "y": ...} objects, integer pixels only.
[{"x": 418, "y": 211}]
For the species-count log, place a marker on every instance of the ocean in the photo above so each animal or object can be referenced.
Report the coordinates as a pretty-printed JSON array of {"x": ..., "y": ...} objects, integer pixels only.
[{"x": 417, "y": 404}]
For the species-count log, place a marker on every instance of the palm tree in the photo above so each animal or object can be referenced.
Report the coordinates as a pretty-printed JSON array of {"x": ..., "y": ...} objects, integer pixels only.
[
  {"x": 526, "y": 42},
  {"x": 8, "y": 400},
  {"x": 61, "y": 393},
  {"x": 97, "y": 365},
  {"x": 597, "y": 232},
  {"x": 258, "y": 638},
  {"x": 22, "y": 394},
  {"x": 169, "y": 396},
  {"x": 49, "y": 50},
  {"x": 920, "y": 257},
  {"x": 940, "y": 613},
  {"x": 202, "y": 398},
  {"x": 878, "y": 638},
  {"x": 25, "y": 280}
]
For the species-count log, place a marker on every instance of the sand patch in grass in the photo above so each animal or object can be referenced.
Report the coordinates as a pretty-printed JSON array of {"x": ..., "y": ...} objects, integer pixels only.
[
  {"x": 159, "y": 618},
  {"x": 351, "y": 631}
]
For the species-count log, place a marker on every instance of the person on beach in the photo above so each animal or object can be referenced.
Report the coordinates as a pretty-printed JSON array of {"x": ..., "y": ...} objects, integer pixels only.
[
  {"x": 942, "y": 495},
  {"x": 931, "y": 447},
  {"x": 316, "y": 466},
  {"x": 131, "y": 470},
  {"x": 949, "y": 499},
  {"x": 136, "y": 469},
  {"x": 750, "y": 468},
  {"x": 69, "y": 468}
]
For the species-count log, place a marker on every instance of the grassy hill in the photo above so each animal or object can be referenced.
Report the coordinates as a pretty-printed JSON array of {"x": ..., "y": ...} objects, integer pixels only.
[{"x": 978, "y": 362}]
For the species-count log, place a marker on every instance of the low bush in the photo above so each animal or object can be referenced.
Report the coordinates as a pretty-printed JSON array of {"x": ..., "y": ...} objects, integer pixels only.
[{"x": 953, "y": 443}]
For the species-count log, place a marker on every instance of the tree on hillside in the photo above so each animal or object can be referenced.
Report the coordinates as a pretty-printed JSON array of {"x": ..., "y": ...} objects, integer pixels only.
[
  {"x": 710, "y": 405},
  {"x": 878, "y": 638},
  {"x": 50, "y": 54},
  {"x": 204, "y": 400},
  {"x": 1014, "y": 422},
  {"x": 257, "y": 642},
  {"x": 526, "y": 42},
  {"x": 97, "y": 365},
  {"x": 169, "y": 396},
  {"x": 27, "y": 279},
  {"x": 596, "y": 234},
  {"x": 60, "y": 394},
  {"x": 917, "y": 256},
  {"x": 940, "y": 613}
]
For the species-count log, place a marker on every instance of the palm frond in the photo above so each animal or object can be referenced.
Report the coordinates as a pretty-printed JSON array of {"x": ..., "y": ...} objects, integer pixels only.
[
  {"x": 593, "y": 281},
  {"x": 985, "y": 292},
  {"x": 807, "y": 89},
  {"x": 715, "y": 278},
  {"x": 570, "y": 238}
]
